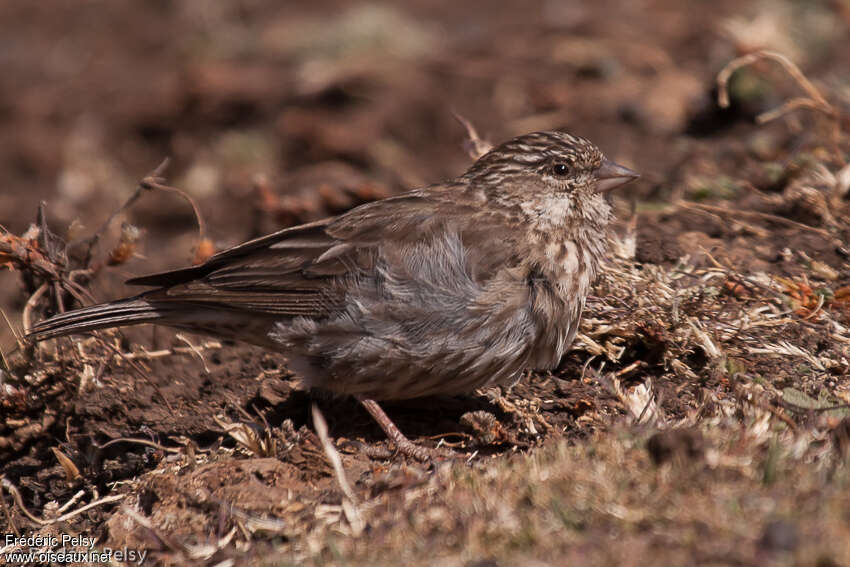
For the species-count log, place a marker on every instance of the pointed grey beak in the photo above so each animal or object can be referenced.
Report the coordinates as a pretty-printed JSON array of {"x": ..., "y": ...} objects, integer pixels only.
[{"x": 611, "y": 175}]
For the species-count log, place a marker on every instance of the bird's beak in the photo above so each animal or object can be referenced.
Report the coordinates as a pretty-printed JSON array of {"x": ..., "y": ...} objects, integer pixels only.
[{"x": 611, "y": 175}]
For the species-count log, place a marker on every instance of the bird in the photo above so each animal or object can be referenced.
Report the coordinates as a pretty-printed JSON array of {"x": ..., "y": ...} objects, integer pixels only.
[{"x": 439, "y": 290}]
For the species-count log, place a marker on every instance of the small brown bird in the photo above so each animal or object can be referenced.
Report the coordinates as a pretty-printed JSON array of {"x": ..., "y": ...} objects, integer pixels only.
[{"x": 440, "y": 290}]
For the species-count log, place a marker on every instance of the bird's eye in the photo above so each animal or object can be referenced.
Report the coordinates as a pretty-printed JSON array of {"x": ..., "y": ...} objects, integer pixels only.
[{"x": 561, "y": 169}]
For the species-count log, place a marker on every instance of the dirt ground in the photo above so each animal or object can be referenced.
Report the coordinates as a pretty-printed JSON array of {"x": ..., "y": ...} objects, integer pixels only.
[{"x": 702, "y": 415}]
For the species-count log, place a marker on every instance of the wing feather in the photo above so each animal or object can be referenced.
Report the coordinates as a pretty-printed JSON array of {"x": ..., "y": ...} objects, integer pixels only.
[{"x": 306, "y": 270}]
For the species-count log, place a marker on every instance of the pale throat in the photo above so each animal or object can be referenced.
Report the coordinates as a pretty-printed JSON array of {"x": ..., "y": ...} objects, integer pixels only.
[{"x": 553, "y": 212}]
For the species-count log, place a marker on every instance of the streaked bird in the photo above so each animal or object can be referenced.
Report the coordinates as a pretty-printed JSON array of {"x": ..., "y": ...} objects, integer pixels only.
[{"x": 440, "y": 290}]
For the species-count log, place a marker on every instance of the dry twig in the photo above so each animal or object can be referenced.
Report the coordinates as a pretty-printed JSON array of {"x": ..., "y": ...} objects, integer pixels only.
[
  {"x": 145, "y": 442},
  {"x": 16, "y": 496},
  {"x": 349, "y": 501},
  {"x": 475, "y": 146},
  {"x": 813, "y": 100},
  {"x": 755, "y": 215}
]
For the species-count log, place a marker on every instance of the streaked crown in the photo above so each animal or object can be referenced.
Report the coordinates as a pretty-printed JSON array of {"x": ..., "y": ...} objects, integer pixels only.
[{"x": 538, "y": 152}]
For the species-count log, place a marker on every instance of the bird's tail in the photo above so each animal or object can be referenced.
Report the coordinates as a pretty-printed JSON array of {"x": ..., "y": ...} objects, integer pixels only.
[{"x": 130, "y": 311}]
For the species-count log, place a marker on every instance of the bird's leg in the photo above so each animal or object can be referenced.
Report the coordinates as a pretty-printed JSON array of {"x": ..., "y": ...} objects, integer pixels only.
[{"x": 404, "y": 445}]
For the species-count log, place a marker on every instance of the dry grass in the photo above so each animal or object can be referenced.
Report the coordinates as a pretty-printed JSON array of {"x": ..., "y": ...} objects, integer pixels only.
[{"x": 752, "y": 495}]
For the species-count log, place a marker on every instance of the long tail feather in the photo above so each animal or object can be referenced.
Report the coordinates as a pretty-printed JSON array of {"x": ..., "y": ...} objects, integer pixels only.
[{"x": 115, "y": 314}]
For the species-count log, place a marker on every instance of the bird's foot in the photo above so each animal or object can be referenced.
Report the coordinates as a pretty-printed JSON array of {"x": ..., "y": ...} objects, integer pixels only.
[{"x": 402, "y": 444}]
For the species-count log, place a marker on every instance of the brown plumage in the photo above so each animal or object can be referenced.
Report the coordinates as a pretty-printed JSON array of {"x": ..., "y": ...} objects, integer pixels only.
[{"x": 440, "y": 290}]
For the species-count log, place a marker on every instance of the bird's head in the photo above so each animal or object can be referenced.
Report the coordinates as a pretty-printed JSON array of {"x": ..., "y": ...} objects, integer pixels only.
[{"x": 554, "y": 177}]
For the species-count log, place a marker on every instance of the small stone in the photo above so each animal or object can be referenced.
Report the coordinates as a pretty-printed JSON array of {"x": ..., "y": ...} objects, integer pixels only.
[
  {"x": 779, "y": 535},
  {"x": 666, "y": 445},
  {"x": 483, "y": 425}
]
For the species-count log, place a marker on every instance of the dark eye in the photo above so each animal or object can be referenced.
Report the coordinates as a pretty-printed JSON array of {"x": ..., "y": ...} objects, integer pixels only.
[{"x": 561, "y": 169}]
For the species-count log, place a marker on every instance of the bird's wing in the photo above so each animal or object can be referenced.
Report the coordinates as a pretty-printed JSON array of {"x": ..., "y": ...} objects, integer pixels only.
[
  {"x": 301, "y": 271},
  {"x": 309, "y": 236},
  {"x": 489, "y": 237}
]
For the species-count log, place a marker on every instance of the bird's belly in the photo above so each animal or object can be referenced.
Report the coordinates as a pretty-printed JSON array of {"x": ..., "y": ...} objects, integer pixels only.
[
  {"x": 383, "y": 363},
  {"x": 392, "y": 379}
]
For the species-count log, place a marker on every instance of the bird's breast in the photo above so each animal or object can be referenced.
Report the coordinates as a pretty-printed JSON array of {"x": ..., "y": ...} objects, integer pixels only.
[
  {"x": 565, "y": 273},
  {"x": 570, "y": 268}
]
